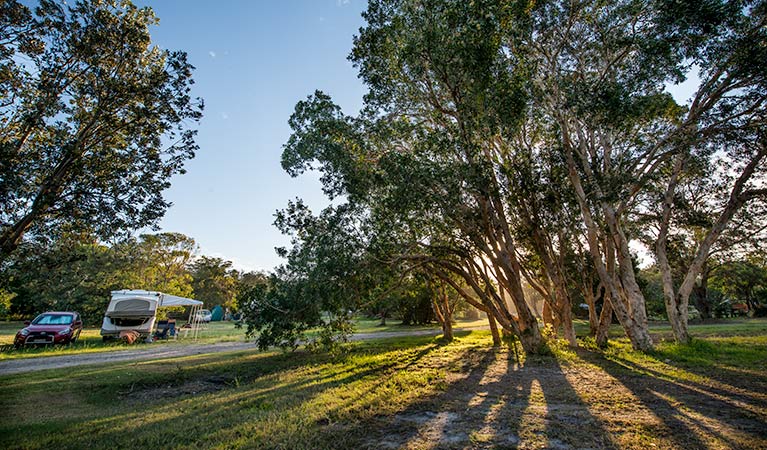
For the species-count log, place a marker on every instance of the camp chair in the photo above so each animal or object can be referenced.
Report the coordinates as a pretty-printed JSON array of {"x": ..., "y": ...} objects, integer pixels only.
[
  {"x": 172, "y": 328},
  {"x": 162, "y": 330}
]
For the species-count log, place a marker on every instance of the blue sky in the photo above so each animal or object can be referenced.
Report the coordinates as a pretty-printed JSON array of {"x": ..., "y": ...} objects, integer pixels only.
[{"x": 254, "y": 60}]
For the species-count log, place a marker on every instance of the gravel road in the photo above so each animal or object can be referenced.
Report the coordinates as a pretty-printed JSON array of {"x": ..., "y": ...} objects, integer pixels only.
[{"x": 15, "y": 366}]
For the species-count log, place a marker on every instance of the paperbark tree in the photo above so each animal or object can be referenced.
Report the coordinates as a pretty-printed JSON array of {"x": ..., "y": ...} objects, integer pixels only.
[
  {"x": 724, "y": 124},
  {"x": 599, "y": 73},
  {"x": 467, "y": 99}
]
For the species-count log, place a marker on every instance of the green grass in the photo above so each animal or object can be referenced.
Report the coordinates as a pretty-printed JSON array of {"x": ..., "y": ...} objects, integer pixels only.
[
  {"x": 240, "y": 398},
  {"x": 718, "y": 327},
  {"x": 712, "y": 356},
  {"x": 411, "y": 392}
]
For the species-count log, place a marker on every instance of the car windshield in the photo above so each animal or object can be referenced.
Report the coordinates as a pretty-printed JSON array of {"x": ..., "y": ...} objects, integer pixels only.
[{"x": 52, "y": 319}]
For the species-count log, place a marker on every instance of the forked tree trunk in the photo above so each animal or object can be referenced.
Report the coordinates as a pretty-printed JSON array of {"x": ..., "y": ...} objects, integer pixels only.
[
  {"x": 444, "y": 312},
  {"x": 602, "y": 331},
  {"x": 627, "y": 299},
  {"x": 523, "y": 325},
  {"x": 677, "y": 302}
]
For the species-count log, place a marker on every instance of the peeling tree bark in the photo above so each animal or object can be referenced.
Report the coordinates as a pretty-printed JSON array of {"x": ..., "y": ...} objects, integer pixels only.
[{"x": 677, "y": 302}]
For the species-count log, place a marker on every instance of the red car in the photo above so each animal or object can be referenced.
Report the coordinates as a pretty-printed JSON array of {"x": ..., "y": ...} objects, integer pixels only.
[{"x": 52, "y": 327}]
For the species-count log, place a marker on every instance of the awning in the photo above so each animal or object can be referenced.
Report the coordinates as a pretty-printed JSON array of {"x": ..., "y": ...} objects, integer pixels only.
[
  {"x": 172, "y": 300},
  {"x": 165, "y": 299}
]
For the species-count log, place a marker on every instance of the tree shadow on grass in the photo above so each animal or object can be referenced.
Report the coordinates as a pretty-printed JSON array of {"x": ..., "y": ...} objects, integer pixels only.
[
  {"x": 732, "y": 381},
  {"x": 495, "y": 401},
  {"x": 694, "y": 415}
]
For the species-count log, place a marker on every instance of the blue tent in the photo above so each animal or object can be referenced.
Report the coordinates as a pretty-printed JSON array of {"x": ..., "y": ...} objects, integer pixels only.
[{"x": 217, "y": 314}]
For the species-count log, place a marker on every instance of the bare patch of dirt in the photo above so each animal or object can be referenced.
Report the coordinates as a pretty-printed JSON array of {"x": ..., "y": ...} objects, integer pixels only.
[{"x": 141, "y": 394}]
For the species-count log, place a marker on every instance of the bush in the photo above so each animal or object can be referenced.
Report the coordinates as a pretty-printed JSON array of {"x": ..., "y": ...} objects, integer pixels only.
[{"x": 5, "y": 304}]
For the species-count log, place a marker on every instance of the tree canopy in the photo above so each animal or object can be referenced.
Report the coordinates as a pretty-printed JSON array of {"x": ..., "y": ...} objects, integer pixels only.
[
  {"x": 94, "y": 119},
  {"x": 501, "y": 142}
]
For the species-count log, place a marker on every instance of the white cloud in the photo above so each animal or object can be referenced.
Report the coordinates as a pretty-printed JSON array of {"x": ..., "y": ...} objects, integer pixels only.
[
  {"x": 342, "y": 2},
  {"x": 224, "y": 116},
  {"x": 212, "y": 54}
]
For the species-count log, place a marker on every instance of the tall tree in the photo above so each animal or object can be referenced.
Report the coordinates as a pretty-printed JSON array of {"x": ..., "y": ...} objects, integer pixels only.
[
  {"x": 78, "y": 272},
  {"x": 94, "y": 119},
  {"x": 158, "y": 262},
  {"x": 327, "y": 274},
  {"x": 599, "y": 73},
  {"x": 722, "y": 132},
  {"x": 744, "y": 281},
  {"x": 498, "y": 135},
  {"x": 73, "y": 273},
  {"x": 214, "y": 281}
]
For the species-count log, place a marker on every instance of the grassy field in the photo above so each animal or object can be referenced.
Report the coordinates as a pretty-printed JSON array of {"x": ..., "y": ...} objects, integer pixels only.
[{"x": 415, "y": 392}]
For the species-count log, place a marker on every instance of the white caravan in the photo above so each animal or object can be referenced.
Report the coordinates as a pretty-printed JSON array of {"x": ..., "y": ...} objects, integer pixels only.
[{"x": 134, "y": 310}]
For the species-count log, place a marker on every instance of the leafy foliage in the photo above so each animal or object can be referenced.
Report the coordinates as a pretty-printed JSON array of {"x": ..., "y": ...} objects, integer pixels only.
[
  {"x": 214, "y": 282},
  {"x": 78, "y": 273},
  {"x": 94, "y": 120}
]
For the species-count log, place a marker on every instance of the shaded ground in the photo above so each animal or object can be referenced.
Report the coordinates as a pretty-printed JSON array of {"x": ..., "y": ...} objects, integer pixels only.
[{"x": 495, "y": 401}]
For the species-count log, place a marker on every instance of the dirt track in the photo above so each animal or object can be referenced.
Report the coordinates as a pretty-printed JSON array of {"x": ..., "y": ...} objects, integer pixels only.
[{"x": 157, "y": 352}]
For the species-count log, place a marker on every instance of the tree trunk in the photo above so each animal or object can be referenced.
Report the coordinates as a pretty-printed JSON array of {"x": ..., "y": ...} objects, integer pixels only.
[
  {"x": 483, "y": 306},
  {"x": 628, "y": 305},
  {"x": 677, "y": 316},
  {"x": 45, "y": 199},
  {"x": 548, "y": 318},
  {"x": 567, "y": 327},
  {"x": 497, "y": 341},
  {"x": 700, "y": 296},
  {"x": 447, "y": 330},
  {"x": 591, "y": 301},
  {"x": 602, "y": 331},
  {"x": 676, "y": 304},
  {"x": 443, "y": 311},
  {"x": 497, "y": 243}
]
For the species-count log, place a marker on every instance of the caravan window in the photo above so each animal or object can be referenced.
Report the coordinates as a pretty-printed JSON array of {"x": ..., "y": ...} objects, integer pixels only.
[{"x": 133, "y": 304}]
